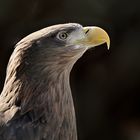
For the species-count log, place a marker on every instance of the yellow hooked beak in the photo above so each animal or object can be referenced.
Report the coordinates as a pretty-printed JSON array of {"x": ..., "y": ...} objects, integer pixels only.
[{"x": 95, "y": 36}]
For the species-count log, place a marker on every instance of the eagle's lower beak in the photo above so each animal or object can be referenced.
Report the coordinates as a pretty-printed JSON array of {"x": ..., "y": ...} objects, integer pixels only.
[{"x": 95, "y": 36}]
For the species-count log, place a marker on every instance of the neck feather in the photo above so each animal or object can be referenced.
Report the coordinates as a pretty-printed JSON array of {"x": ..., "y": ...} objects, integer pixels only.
[
  {"x": 37, "y": 82},
  {"x": 47, "y": 95}
]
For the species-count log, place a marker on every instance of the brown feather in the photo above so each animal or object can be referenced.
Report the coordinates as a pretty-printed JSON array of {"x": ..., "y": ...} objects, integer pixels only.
[{"x": 36, "y": 101}]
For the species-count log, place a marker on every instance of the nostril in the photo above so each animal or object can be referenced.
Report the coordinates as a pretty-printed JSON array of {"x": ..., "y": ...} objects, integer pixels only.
[{"x": 87, "y": 31}]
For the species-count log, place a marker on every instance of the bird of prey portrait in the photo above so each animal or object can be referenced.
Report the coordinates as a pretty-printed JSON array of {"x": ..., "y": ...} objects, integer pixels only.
[{"x": 36, "y": 101}]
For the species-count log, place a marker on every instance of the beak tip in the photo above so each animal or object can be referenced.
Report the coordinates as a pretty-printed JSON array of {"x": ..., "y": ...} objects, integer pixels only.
[
  {"x": 108, "y": 42},
  {"x": 108, "y": 45}
]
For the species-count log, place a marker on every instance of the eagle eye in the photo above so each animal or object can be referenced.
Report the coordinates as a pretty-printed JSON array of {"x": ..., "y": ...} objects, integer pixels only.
[{"x": 62, "y": 35}]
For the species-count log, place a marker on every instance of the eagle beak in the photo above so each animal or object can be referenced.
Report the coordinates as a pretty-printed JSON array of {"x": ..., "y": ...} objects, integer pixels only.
[{"x": 95, "y": 36}]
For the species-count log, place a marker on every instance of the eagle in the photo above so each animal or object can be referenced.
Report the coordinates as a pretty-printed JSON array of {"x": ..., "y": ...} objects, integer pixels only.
[{"x": 36, "y": 101}]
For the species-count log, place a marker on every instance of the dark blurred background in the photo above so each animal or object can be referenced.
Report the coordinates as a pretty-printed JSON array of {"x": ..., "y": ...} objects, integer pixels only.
[{"x": 105, "y": 84}]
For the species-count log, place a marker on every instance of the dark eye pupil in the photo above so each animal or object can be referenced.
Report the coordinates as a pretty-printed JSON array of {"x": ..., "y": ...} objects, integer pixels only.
[{"x": 63, "y": 35}]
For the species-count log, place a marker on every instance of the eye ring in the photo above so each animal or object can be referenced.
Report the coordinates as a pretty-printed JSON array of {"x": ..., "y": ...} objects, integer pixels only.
[{"x": 62, "y": 35}]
